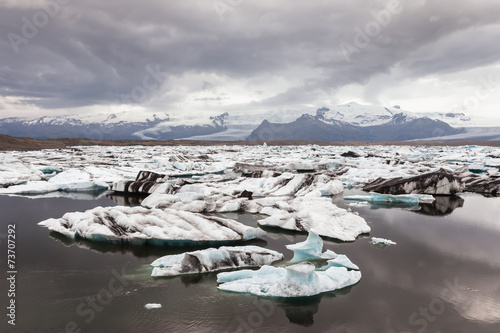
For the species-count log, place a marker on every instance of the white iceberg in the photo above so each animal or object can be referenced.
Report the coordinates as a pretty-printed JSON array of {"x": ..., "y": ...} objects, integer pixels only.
[
  {"x": 382, "y": 241},
  {"x": 139, "y": 225},
  {"x": 310, "y": 249},
  {"x": 211, "y": 260},
  {"x": 67, "y": 181},
  {"x": 150, "y": 306},
  {"x": 317, "y": 214},
  {"x": 390, "y": 198},
  {"x": 299, "y": 280}
]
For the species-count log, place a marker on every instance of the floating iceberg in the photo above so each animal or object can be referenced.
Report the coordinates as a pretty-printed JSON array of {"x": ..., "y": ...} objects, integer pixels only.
[
  {"x": 145, "y": 182},
  {"x": 211, "y": 260},
  {"x": 319, "y": 215},
  {"x": 389, "y": 198},
  {"x": 310, "y": 249},
  {"x": 150, "y": 306},
  {"x": 298, "y": 280},
  {"x": 438, "y": 182},
  {"x": 68, "y": 181},
  {"x": 139, "y": 225},
  {"x": 341, "y": 261},
  {"x": 382, "y": 241}
]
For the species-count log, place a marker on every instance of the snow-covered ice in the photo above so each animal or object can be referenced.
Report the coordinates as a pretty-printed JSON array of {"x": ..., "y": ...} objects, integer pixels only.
[
  {"x": 212, "y": 260},
  {"x": 139, "y": 225},
  {"x": 310, "y": 249},
  {"x": 389, "y": 198},
  {"x": 299, "y": 280},
  {"x": 319, "y": 215}
]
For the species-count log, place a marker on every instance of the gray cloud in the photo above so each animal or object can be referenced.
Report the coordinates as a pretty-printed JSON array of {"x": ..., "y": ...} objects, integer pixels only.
[{"x": 93, "y": 52}]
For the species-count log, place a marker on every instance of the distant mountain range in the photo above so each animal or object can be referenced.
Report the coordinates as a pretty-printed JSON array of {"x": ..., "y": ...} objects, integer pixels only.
[{"x": 348, "y": 122}]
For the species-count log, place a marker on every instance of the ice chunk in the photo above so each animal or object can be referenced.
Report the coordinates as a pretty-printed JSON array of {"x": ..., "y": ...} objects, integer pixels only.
[
  {"x": 341, "y": 261},
  {"x": 310, "y": 249},
  {"x": 389, "y": 198},
  {"x": 150, "y": 306},
  {"x": 139, "y": 225},
  {"x": 382, "y": 241},
  {"x": 320, "y": 215},
  {"x": 211, "y": 260},
  {"x": 298, "y": 280}
]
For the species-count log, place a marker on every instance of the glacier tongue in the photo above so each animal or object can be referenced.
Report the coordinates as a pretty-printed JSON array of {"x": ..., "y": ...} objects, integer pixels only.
[
  {"x": 211, "y": 260},
  {"x": 139, "y": 225},
  {"x": 299, "y": 280}
]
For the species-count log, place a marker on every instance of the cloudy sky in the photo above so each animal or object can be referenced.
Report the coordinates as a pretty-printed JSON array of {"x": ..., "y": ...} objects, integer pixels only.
[{"x": 195, "y": 56}]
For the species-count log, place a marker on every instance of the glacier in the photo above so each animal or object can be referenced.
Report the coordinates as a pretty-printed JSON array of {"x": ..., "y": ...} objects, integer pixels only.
[
  {"x": 138, "y": 225},
  {"x": 299, "y": 280},
  {"x": 212, "y": 260}
]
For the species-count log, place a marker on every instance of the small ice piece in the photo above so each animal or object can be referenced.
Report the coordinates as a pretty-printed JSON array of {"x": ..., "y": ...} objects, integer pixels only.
[
  {"x": 341, "y": 261},
  {"x": 390, "y": 198},
  {"x": 150, "y": 306},
  {"x": 310, "y": 249},
  {"x": 212, "y": 260},
  {"x": 382, "y": 241},
  {"x": 299, "y": 280},
  {"x": 139, "y": 225}
]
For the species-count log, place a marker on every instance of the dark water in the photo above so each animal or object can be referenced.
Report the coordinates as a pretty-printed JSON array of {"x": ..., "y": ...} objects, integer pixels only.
[{"x": 443, "y": 276}]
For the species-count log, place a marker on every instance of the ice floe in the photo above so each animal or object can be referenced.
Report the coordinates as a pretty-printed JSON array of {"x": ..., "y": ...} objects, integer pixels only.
[
  {"x": 341, "y": 260},
  {"x": 382, "y": 241},
  {"x": 299, "y": 280},
  {"x": 139, "y": 225},
  {"x": 389, "y": 198},
  {"x": 212, "y": 260}
]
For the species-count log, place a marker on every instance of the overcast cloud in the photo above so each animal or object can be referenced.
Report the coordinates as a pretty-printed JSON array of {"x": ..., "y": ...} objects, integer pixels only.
[{"x": 197, "y": 56}]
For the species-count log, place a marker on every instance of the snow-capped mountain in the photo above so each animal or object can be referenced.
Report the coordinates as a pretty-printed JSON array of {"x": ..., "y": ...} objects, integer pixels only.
[{"x": 351, "y": 121}]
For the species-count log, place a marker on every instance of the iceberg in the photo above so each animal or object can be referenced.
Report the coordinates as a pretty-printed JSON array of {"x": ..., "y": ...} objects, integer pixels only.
[
  {"x": 138, "y": 225},
  {"x": 382, "y": 241},
  {"x": 341, "y": 261},
  {"x": 299, "y": 280},
  {"x": 310, "y": 249},
  {"x": 389, "y": 198},
  {"x": 150, "y": 306},
  {"x": 211, "y": 260},
  {"x": 67, "y": 181},
  {"x": 145, "y": 182},
  {"x": 319, "y": 215}
]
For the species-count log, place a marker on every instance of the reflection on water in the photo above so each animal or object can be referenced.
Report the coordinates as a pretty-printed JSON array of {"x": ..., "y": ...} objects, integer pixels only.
[
  {"x": 145, "y": 250},
  {"x": 445, "y": 264},
  {"x": 126, "y": 199},
  {"x": 443, "y": 205}
]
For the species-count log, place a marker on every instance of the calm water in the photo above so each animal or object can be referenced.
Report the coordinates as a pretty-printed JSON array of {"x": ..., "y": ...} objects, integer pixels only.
[{"x": 443, "y": 276}]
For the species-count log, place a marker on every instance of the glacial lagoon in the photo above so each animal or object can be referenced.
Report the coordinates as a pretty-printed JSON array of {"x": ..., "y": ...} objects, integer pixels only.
[{"x": 442, "y": 276}]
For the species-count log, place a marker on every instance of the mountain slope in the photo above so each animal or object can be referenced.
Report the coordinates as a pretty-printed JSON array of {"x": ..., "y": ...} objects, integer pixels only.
[{"x": 307, "y": 127}]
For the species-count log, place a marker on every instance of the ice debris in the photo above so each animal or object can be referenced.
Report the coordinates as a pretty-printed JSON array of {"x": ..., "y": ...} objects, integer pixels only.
[
  {"x": 139, "y": 225},
  {"x": 150, "y": 306},
  {"x": 310, "y": 249},
  {"x": 299, "y": 280},
  {"x": 389, "y": 198},
  {"x": 211, "y": 260},
  {"x": 382, "y": 241}
]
